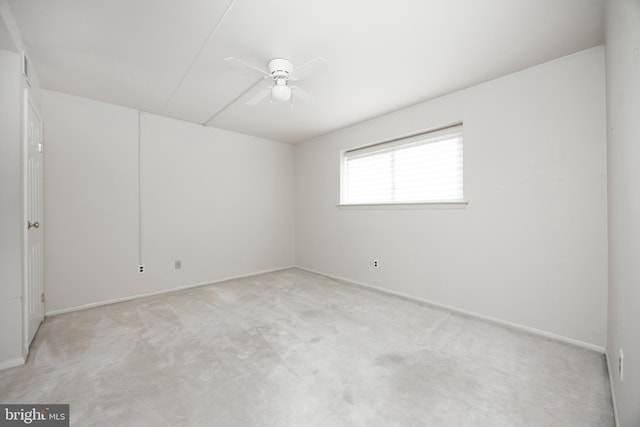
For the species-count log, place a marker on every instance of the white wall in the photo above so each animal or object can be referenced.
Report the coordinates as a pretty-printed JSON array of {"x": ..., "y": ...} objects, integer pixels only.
[
  {"x": 91, "y": 201},
  {"x": 10, "y": 210},
  {"x": 623, "y": 120},
  {"x": 219, "y": 201},
  {"x": 530, "y": 247}
]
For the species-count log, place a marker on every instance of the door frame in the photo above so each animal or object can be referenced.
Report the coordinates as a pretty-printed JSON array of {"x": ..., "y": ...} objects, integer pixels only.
[{"x": 27, "y": 103}]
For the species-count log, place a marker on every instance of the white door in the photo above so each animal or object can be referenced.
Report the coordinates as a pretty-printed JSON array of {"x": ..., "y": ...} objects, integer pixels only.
[{"x": 34, "y": 286}]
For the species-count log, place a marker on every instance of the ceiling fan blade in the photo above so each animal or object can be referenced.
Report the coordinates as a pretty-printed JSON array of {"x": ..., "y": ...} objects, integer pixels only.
[
  {"x": 245, "y": 67},
  {"x": 313, "y": 69},
  {"x": 259, "y": 96},
  {"x": 300, "y": 94}
]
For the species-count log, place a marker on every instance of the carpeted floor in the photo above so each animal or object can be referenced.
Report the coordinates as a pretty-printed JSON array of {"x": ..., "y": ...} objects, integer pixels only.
[{"x": 293, "y": 348}]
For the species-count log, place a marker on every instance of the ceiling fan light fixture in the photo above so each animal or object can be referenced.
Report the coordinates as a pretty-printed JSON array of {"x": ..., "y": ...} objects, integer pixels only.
[
  {"x": 280, "y": 91},
  {"x": 280, "y": 74}
]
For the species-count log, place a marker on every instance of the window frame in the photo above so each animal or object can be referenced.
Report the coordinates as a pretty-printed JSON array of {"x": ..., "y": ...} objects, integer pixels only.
[{"x": 398, "y": 141}]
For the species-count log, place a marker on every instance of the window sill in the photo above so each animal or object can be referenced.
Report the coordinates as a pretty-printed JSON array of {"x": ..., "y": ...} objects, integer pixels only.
[{"x": 405, "y": 206}]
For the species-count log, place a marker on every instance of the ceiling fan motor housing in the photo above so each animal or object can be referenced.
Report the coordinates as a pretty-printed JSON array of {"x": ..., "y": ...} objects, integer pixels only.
[{"x": 280, "y": 68}]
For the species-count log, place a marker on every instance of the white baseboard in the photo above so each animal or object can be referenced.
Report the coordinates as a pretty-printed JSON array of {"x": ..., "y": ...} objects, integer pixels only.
[
  {"x": 512, "y": 325},
  {"x": 453, "y": 309},
  {"x": 164, "y": 291},
  {"x": 12, "y": 363},
  {"x": 613, "y": 393}
]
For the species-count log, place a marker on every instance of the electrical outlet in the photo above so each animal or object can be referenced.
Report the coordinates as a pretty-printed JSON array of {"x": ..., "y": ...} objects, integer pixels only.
[
  {"x": 621, "y": 365},
  {"x": 177, "y": 264},
  {"x": 376, "y": 263},
  {"x": 140, "y": 268}
]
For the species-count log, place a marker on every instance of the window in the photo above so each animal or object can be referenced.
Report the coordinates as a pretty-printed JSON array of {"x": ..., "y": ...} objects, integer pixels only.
[{"x": 421, "y": 168}]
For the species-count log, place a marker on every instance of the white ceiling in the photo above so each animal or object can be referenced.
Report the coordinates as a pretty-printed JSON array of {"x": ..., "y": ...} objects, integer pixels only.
[{"x": 167, "y": 56}]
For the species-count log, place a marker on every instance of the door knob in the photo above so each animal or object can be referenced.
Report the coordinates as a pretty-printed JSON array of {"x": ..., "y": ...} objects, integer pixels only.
[{"x": 32, "y": 224}]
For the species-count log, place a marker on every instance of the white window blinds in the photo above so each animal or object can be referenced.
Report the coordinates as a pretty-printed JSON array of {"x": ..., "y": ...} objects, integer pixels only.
[{"x": 420, "y": 168}]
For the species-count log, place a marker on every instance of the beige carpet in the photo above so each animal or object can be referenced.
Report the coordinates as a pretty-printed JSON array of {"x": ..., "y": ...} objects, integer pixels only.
[{"x": 293, "y": 348}]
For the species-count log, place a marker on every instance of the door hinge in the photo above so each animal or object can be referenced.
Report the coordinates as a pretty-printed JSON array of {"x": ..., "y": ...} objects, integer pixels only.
[
  {"x": 42, "y": 297},
  {"x": 40, "y": 148}
]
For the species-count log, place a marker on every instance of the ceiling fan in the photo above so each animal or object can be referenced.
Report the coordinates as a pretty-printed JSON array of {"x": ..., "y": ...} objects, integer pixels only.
[{"x": 280, "y": 72}]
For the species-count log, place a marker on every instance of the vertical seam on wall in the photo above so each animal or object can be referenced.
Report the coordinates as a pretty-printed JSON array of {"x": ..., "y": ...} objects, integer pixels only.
[{"x": 139, "y": 189}]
